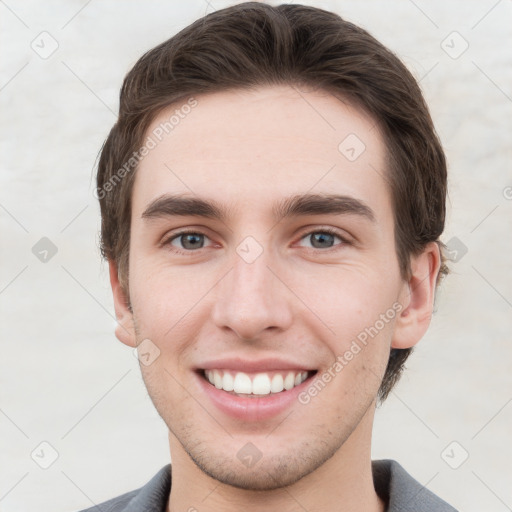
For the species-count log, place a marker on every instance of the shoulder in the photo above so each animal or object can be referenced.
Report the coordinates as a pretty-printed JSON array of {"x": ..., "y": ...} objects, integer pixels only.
[
  {"x": 151, "y": 497},
  {"x": 402, "y": 492},
  {"x": 115, "y": 504}
]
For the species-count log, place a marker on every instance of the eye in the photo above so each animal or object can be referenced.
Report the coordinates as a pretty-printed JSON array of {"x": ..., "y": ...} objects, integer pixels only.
[
  {"x": 190, "y": 241},
  {"x": 324, "y": 238},
  {"x": 186, "y": 241}
]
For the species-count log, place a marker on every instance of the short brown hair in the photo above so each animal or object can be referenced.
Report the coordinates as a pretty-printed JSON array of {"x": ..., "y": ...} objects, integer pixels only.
[{"x": 254, "y": 44}]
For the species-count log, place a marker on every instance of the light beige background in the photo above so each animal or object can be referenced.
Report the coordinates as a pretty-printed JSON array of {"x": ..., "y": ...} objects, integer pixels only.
[{"x": 66, "y": 380}]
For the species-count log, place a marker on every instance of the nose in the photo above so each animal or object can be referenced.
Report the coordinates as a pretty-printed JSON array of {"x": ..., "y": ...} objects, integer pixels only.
[{"x": 252, "y": 298}]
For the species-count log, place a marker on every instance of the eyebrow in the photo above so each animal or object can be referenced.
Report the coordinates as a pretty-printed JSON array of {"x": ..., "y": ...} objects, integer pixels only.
[{"x": 294, "y": 206}]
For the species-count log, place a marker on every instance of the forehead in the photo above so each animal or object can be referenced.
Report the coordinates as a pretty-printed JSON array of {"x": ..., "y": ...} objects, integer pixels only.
[{"x": 249, "y": 146}]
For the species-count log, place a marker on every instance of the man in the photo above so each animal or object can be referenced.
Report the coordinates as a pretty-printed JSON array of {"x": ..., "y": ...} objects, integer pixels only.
[{"x": 272, "y": 198}]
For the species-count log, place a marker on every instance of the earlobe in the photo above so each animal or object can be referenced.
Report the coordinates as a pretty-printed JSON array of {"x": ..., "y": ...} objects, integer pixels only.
[
  {"x": 418, "y": 296},
  {"x": 125, "y": 331}
]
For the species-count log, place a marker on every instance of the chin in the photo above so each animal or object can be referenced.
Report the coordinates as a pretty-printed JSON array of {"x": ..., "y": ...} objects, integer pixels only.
[
  {"x": 268, "y": 473},
  {"x": 266, "y": 477}
]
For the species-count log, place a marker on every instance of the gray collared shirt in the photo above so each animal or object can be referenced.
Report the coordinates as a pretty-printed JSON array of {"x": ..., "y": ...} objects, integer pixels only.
[{"x": 393, "y": 484}]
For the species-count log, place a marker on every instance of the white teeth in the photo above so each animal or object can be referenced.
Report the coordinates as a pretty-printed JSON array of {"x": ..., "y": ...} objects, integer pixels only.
[
  {"x": 259, "y": 384},
  {"x": 289, "y": 381},
  {"x": 228, "y": 382},
  {"x": 277, "y": 384},
  {"x": 242, "y": 384},
  {"x": 217, "y": 379}
]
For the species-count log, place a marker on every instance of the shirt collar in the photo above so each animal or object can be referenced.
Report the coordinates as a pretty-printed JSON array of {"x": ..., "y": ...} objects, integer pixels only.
[{"x": 399, "y": 490}]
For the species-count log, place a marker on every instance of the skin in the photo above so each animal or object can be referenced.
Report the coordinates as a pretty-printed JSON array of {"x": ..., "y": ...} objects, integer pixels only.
[{"x": 247, "y": 150}]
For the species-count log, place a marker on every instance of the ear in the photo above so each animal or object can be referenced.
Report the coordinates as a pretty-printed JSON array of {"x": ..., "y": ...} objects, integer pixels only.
[
  {"x": 125, "y": 331},
  {"x": 417, "y": 298}
]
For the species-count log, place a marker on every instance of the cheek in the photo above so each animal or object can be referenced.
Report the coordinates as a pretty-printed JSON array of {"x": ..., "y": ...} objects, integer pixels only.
[
  {"x": 164, "y": 297},
  {"x": 360, "y": 309},
  {"x": 354, "y": 374},
  {"x": 350, "y": 299}
]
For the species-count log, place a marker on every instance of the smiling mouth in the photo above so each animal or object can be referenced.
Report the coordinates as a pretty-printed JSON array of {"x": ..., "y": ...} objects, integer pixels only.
[{"x": 256, "y": 385}]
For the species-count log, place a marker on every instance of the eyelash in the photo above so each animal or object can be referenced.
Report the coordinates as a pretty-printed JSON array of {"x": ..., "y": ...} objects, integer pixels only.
[{"x": 327, "y": 230}]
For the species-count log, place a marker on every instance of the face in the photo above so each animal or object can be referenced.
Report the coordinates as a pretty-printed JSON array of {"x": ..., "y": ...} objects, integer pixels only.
[{"x": 253, "y": 299}]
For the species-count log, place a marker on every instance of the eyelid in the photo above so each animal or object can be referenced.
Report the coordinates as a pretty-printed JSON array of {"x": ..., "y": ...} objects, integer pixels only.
[
  {"x": 166, "y": 240},
  {"x": 345, "y": 239}
]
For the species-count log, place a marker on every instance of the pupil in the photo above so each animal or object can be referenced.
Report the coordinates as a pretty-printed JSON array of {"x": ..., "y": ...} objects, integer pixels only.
[
  {"x": 322, "y": 238},
  {"x": 193, "y": 239}
]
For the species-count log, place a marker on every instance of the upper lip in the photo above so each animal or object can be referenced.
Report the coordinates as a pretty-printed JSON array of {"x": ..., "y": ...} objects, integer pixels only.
[{"x": 249, "y": 366}]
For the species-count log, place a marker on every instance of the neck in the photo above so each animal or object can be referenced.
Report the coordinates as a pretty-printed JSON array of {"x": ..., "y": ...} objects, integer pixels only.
[{"x": 343, "y": 483}]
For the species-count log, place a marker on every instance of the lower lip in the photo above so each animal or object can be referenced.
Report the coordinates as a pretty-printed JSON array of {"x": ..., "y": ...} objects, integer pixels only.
[{"x": 252, "y": 409}]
